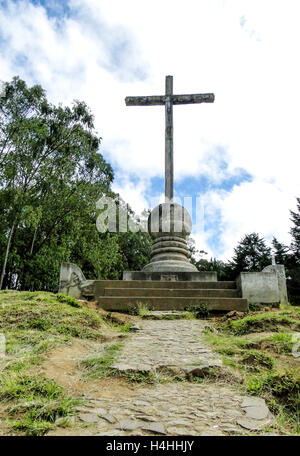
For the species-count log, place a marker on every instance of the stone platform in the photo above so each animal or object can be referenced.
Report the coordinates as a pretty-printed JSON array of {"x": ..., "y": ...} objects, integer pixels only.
[
  {"x": 177, "y": 290},
  {"x": 166, "y": 295}
]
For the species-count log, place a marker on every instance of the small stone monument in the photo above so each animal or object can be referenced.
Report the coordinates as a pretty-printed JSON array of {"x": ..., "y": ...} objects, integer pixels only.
[{"x": 169, "y": 224}]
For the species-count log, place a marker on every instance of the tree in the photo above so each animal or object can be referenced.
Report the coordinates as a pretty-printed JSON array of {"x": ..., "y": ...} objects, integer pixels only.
[
  {"x": 251, "y": 254},
  {"x": 282, "y": 252},
  {"x": 293, "y": 271},
  {"x": 51, "y": 175},
  {"x": 295, "y": 232}
]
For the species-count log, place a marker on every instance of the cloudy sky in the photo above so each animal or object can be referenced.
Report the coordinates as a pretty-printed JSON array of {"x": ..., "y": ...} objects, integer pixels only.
[{"x": 238, "y": 158}]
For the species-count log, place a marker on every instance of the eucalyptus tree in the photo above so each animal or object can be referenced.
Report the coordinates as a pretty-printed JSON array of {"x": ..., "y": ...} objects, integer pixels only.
[{"x": 50, "y": 169}]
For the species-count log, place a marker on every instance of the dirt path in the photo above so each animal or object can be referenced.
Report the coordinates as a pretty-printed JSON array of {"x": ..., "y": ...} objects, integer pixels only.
[{"x": 114, "y": 406}]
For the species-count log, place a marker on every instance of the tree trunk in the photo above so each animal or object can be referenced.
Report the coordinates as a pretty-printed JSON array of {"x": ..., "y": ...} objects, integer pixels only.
[
  {"x": 6, "y": 253},
  {"x": 33, "y": 240}
]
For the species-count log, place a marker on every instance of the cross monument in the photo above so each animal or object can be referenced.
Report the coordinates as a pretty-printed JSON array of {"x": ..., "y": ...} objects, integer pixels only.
[
  {"x": 169, "y": 99},
  {"x": 169, "y": 223}
]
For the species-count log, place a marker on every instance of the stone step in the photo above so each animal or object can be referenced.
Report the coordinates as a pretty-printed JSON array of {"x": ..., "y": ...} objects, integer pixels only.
[
  {"x": 170, "y": 292},
  {"x": 125, "y": 303},
  {"x": 163, "y": 284}
]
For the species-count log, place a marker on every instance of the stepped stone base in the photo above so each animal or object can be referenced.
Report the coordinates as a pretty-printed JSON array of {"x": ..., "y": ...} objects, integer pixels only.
[
  {"x": 174, "y": 290},
  {"x": 115, "y": 295},
  {"x": 125, "y": 303},
  {"x": 172, "y": 276}
]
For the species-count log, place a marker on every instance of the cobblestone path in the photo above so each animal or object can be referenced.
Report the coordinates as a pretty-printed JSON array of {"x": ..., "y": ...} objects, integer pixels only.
[{"x": 174, "y": 407}]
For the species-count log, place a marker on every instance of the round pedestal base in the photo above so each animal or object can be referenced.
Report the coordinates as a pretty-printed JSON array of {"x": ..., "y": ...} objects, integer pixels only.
[
  {"x": 170, "y": 266},
  {"x": 169, "y": 225}
]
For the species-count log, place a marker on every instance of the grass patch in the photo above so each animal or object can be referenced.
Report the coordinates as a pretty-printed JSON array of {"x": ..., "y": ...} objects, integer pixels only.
[
  {"x": 280, "y": 343},
  {"x": 171, "y": 316},
  {"x": 31, "y": 428},
  {"x": 68, "y": 300},
  {"x": 140, "y": 309},
  {"x": 125, "y": 328},
  {"x": 142, "y": 377},
  {"x": 33, "y": 324},
  {"x": 18, "y": 385},
  {"x": 100, "y": 367},
  {"x": 262, "y": 322},
  {"x": 200, "y": 311},
  {"x": 226, "y": 344},
  {"x": 37, "y": 402},
  {"x": 256, "y": 360},
  {"x": 284, "y": 386},
  {"x": 264, "y": 363},
  {"x": 42, "y": 311}
]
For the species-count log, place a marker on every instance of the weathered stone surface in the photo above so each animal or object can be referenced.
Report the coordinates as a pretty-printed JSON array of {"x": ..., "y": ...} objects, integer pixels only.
[
  {"x": 157, "y": 428},
  {"x": 149, "y": 419},
  {"x": 253, "y": 402},
  {"x": 89, "y": 417},
  {"x": 181, "y": 408},
  {"x": 211, "y": 433},
  {"x": 279, "y": 269},
  {"x": 265, "y": 287},
  {"x": 251, "y": 424},
  {"x": 258, "y": 413},
  {"x": 174, "y": 344},
  {"x": 201, "y": 371},
  {"x": 123, "y": 303},
  {"x": 72, "y": 281},
  {"x": 128, "y": 425},
  {"x": 108, "y": 418},
  {"x": 83, "y": 409},
  {"x": 184, "y": 278}
]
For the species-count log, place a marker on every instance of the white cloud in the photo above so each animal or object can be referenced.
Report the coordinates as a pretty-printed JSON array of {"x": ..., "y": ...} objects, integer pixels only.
[
  {"x": 255, "y": 206},
  {"x": 244, "y": 51},
  {"x": 132, "y": 193}
]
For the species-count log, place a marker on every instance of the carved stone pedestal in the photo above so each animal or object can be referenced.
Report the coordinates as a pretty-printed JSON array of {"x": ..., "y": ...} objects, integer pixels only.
[{"x": 169, "y": 225}]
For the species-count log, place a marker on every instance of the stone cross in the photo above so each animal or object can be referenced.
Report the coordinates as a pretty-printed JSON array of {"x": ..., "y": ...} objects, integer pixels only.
[{"x": 169, "y": 100}]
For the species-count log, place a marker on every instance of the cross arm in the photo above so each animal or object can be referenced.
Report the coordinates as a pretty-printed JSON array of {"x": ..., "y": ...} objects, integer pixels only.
[
  {"x": 195, "y": 98},
  {"x": 145, "y": 101},
  {"x": 176, "y": 99}
]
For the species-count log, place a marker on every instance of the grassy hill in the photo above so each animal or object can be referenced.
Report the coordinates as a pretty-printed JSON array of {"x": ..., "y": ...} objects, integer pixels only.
[
  {"x": 49, "y": 363},
  {"x": 33, "y": 325}
]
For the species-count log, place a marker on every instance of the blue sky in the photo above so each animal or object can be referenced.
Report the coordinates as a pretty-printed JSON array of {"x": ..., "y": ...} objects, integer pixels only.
[{"x": 239, "y": 156}]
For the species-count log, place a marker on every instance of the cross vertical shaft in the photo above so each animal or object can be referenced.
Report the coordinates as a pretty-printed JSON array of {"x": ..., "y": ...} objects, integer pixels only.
[{"x": 169, "y": 161}]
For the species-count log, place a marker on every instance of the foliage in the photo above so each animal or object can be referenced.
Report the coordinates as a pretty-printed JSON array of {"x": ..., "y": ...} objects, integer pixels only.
[
  {"x": 295, "y": 232},
  {"x": 51, "y": 175},
  {"x": 100, "y": 367},
  {"x": 251, "y": 254},
  {"x": 199, "y": 310}
]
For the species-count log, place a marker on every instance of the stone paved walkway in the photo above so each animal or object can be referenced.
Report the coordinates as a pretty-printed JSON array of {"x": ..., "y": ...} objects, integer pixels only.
[
  {"x": 167, "y": 343},
  {"x": 174, "y": 408}
]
